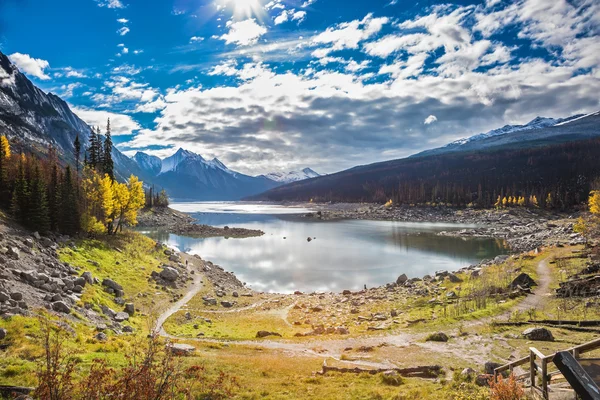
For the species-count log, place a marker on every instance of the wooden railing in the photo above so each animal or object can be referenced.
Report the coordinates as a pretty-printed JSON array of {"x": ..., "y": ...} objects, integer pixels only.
[{"x": 538, "y": 363}]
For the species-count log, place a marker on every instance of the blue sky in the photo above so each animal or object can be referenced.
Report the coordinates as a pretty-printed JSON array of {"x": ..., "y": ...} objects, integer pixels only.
[{"x": 276, "y": 85}]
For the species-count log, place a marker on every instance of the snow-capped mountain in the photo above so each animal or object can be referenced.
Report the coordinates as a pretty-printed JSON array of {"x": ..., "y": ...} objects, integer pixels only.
[
  {"x": 541, "y": 128},
  {"x": 34, "y": 120},
  {"x": 187, "y": 175},
  {"x": 292, "y": 176},
  {"x": 151, "y": 164}
]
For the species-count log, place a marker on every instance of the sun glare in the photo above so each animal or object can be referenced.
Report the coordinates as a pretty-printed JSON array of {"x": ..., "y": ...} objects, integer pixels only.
[{"x": 245, "y": 8}]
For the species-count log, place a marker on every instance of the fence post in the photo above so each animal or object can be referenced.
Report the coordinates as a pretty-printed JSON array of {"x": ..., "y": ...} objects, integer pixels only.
[
  {"x": 545, "y": 378},
  {"x": 532, "y": 368}
]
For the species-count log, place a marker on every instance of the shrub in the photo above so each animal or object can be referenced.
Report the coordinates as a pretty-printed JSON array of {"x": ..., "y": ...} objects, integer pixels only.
[{"x": 506, "y": 389}]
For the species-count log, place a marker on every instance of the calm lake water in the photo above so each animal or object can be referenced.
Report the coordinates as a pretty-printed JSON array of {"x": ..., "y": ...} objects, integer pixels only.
[{"x": 344, "y": 254}]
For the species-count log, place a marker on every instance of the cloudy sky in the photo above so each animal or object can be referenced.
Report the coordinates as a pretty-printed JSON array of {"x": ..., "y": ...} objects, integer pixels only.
[{"x": 274, "y": 85}]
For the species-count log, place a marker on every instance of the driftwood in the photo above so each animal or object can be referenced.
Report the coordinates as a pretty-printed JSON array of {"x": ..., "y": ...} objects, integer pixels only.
[{"x": 426, "y": 371}]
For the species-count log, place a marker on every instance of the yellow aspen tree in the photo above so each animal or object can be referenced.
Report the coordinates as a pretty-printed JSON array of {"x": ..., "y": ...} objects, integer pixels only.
[
  {"x": 498, "y": 202},
  {"x": 521, "y": 201},
  {"x": 594, "y": 202},
  {"x": 504, "y": 201},
  {"x": 549, "y": 200}
]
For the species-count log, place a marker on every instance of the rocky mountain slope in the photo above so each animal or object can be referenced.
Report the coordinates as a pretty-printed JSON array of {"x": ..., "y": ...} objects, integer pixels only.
[
  {"x": 34, "y": 120},
  {"x": 561, "y": 129},
  {"x": 188, "y": 176}
]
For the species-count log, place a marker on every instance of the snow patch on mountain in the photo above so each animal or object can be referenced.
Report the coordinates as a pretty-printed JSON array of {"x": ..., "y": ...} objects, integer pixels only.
[{"x": 292, "y": 176}]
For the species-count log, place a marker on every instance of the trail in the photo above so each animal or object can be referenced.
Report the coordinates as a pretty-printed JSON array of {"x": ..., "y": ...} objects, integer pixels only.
[{"x": 334, "y": 348}]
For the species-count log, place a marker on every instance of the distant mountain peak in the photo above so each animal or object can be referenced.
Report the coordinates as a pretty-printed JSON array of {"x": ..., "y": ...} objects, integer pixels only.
[{"x": 292, "y": 176}]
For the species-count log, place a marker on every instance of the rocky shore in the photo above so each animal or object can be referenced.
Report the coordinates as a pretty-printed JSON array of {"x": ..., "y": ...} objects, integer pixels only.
[
  {"x": 523, "y": 229},
  {"x": 183, "y": 224}
]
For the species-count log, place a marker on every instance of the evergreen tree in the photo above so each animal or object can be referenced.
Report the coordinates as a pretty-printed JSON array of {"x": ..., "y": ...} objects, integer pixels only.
[
  {"x": 109, "y": 166},
  {"x": 20, "y": 194},
  {"x": 54, "y": 201},
  {"x": 77, "y": 145},
  {"x": 69, "y": 207},
  {"x": 99, "y": 151},
  {"x": 37, "y": 218},
  {"x": 92, "y": 153}
]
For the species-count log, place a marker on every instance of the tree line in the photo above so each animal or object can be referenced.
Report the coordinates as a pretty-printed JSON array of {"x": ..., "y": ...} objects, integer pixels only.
[{"x": 45, "y": 196}]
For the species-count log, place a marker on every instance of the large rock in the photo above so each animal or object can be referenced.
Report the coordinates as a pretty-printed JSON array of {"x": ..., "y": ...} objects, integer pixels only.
[
  {"x": 130, "y": 308},
  {"x": 121, "y": 316},
  {"x": 169, "y": 274},
  {"x": 453, "y": 278},
  {"x": 437, "y": 337},
  {"x": 490, "y": 366},
  {"x": 541, "y": 334},
  {"x": 522, "y": 280},
  {"x": 89, "y": 278},
  {"x": 401, "y": 279},
  {"x": 180, "y": 349},
  {"x": 111, "y": 284},
  {"x": 61, "y": 306},
  {"x": 262, "y": 334},
  {"x": 13, "y": 253},
  {"x": 3, "y": 333}
]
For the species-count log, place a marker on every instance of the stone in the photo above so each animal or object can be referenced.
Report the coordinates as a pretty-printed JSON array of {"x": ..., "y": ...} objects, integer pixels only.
[
  {"x": 262, "y": 334},
  {"x": 111, "y": 284},
  {"x": 101, "y": 336},
  {"x": 169, "y": 274},
  {"x": 121, "y": 316},
  {"x": 13, "y": 253},
  {"x": 453, "y": 278},
  {"x": 17, "y": 296},
  {"x": 483, "y": 379},
  {"x": 541, "y": 334},
  {"x": 340, "y": 330},
  {"x": 309, "y": 239},
  {"x": 227, "y": 304},
  {"x": 61, "y": 306},
  {"x": 235, "y": 294},
  {"x": 128, "y": 329},
  {"x": 3, "y": 333},
  {"x": 37, "y": 235},
  {"x": 174, "y": 258},
  {"x": 451, "y": 294},
  {"x": 346, "y": 292},
  {"x": 88, "y": 277},
  {"x": 468, "y": 372},
  {"x": 80, "y": 281},
  {"x": 402, "y": 279},
  {"x": 437, "y": 337},
  {"x": 130, "y": 308},
  {"x": 522, "y": 280},
  {"x": 3, "y": 297},
  {"x": 210, "y": 301},
  {"x": 188, "y": 316},
  {"x": 180, "y": 349},
  {"x": 490, "y": 366},
  {"x": 101, "y": 327}
]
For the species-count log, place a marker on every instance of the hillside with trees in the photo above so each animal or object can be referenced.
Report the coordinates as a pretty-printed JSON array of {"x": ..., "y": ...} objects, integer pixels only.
[{"x": 43, "y": 195}]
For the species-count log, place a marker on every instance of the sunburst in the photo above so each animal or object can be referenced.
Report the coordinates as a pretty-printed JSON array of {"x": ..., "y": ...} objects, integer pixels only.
[{"x": 244, "y": 8}]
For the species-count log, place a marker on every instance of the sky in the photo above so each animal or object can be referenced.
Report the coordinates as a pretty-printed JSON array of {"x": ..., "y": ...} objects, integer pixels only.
[{"x": 279, "y": 85}]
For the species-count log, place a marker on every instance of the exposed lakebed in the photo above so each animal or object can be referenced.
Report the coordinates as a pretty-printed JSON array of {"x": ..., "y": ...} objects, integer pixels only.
[{"x": 343, "y": 254}]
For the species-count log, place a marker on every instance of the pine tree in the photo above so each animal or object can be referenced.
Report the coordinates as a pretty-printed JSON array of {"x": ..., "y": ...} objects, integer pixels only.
[
  {"x": 77, "y": 145},
  {"x": 92, "y": 154},
  {"x": 54, "y": 201},
  {"x": 99, "y": 151},
  {"x": 38, "y": 218},
  {"x": 69, "y": 206},
  {"x": 20, "y": 194},
  {"x": 109, "y": 166}
]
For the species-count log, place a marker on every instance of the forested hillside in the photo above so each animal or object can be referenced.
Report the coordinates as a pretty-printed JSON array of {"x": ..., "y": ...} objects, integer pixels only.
[{"x": 549, "y": 175}]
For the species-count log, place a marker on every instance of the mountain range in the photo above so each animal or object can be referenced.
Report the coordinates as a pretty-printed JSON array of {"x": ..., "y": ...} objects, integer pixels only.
[
  {"x": 544, "y": 156},
  {"x": 34, "y": 121}
]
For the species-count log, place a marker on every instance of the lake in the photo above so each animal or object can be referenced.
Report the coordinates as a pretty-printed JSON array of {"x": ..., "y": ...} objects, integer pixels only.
[{"x": 346, "y": 254}]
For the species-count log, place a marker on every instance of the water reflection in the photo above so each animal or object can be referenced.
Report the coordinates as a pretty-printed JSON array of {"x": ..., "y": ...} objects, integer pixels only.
[{"x": 345, "y": 254}]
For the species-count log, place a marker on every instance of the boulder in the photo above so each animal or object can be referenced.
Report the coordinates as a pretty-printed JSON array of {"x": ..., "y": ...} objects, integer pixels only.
[
  {"x": 130, "y": 308},
  {"x": 121, "y": 316},
  {"x": 341, "y": 330},
  {"x": 61, "y": 306},
  {"x": 227, "y": 304},
  {"x": 401, "y": 279},
  {"x": 128, "y": 329},
  {"x": 453, "y": 278},
  {"x": 13, "y": 253},
  {"x": 522, "y": 280},
  {"x": 101, "y": 336},
  {"x": 490, "y": 366},
  {"x": 16, "y": 296},
  {"x": 483, "y": 379},
  {"x": 468, "y": 372},
  {"x": 437, "y": 337},
  {"x": 169, "y": 274},
  {"x": 180, "y": 349},
  {"x": 111, "y": 284},
  {"x": 88, "y": 277},
  {"x": 541, "y": 334},
  {"x": 262, "y": 334},
  {"x": 3, "y": 333},
  {"x": 3, "y": 297}
]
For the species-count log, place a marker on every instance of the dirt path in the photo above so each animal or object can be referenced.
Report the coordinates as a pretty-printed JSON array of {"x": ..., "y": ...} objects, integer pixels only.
[{"x": 335, "y": 347}]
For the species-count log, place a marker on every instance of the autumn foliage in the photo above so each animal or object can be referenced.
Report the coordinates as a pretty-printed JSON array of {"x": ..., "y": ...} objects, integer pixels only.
[{"x": 506, "y": 389}]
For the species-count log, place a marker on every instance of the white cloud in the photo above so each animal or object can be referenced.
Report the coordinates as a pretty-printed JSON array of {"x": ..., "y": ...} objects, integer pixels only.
[
  {"x": 281, "y": 18},
  {"x": 110, "y": 3},
  {"x": 125, "y": 50},
  {"x": 30, "y": 66},
  {"x": 348, "y": 35},
  {"x": 195, "y": 39},
  {"x": 121, "y": 124},
  {"x": 307, "y": 3},
  {"x": 67, "y": 90},
  {"x": 122, "y": 20},
  {"x": 73, "y": 73},
  {"x": 429, "y": 120},
  {"x": 243, "y": 33},
  {"x": 123, "y": 31},
  {"x": 138, "y": 52},
  {"x": 298, "y": 16},
  {"x": 290, "y": 15}
]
